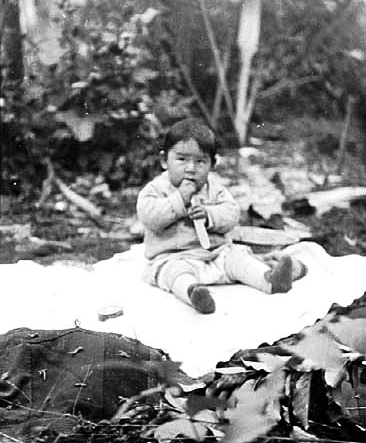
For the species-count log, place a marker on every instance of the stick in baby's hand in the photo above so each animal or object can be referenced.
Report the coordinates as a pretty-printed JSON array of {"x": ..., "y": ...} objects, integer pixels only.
[{"x": 199, "y": 225}]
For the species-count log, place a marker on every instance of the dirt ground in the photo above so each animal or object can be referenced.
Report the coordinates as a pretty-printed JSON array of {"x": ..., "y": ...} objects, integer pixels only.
[{"x": 290, "y": 170}]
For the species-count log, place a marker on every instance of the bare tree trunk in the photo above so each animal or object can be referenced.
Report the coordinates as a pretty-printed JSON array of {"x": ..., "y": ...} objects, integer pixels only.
[
  {"x": 11, "y": 45},
  {"x": 248, "y": 38}
]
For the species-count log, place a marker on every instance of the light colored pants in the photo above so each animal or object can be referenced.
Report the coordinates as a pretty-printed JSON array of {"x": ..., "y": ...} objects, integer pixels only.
[{"x": 234, "y": 263}]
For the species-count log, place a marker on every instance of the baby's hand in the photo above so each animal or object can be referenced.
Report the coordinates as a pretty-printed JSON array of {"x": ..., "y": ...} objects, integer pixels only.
[
  {"x": 187, "y": 188},
  {"x": 196, "y": 212}
]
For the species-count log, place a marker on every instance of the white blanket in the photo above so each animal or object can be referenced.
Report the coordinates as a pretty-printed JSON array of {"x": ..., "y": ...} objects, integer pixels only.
[{"x": 57, "y": 296}]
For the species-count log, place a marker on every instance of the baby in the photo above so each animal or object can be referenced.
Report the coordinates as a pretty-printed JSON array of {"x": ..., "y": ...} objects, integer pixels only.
[{"x": 169, "y": 208}]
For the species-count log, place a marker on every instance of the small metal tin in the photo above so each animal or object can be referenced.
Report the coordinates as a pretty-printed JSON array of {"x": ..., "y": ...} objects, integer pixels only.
[{"x": 109, "y": 312}]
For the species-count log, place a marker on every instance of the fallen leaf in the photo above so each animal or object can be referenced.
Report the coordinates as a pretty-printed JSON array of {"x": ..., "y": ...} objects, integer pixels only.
[
  {"x": 317, "y": 349},
  {"x": 193, "y": 386},
  {"x": 257, "y": 411},
  {"x": 273, "y": 362},
  {"x": 256, "y": 365},
  {"x": 209, "y": 417},
  {"x": 300, "y": 399},
  {"x": 177, "y": 402},
  {"x": 231, "y": 370},
  {"x": 350, "y": 329},
  {"x": 298, "y": 434},
  {"x": 180, "y": 426}
]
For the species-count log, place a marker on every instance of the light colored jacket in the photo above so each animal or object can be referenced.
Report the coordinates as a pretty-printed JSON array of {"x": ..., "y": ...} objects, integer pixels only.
[{"x": 167, "y": 227}]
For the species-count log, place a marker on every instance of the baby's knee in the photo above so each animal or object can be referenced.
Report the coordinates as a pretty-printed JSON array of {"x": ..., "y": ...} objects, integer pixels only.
[
  {"x": 171, "y": 270},
  {"x": 237, "y": 258},
  {"x": 233, "y": 254}
]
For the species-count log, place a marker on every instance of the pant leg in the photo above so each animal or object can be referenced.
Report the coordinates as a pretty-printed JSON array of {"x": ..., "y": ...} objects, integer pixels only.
[
  {"x": 243, "y": 266},
  {"x": 176, "y": 276}
]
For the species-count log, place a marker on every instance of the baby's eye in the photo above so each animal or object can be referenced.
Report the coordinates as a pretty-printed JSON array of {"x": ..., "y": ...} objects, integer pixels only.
[
  {"x": 202, "y": 161},
  {"x": 181, "y": 159}
]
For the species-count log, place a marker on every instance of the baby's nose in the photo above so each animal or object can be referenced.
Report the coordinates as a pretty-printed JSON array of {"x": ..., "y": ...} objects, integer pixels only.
[{"x": 191, "y": 166}]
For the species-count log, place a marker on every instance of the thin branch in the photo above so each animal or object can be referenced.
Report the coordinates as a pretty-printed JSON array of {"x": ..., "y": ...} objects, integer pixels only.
[
  {"x": 10, "y": 438},
  {"x": 14, "y": 389},
  {"x": 87, "y": 375},
  {"x": 219, "y": 91},
  {"x": 47, "y": 184},
  {"x": 39, "y": 411},
  {"x": 343, "y": 139},
  {"x": 81, "y": 202},
  {"x": 185, "y": 72},
  {"x": 122, "y": 410},
  {"x": 218, "y": 63},
  {"x": 287, "y": 84},
  {"x": 93, "y": 211}
]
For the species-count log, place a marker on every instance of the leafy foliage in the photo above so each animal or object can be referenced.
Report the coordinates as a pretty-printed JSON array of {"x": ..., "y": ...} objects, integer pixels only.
[
  {"x": 93, "y": 109},
  {"x": 293, "y": 397},
  {"x": 308, "y": 48},
  {"x": 98, "y": 97}
]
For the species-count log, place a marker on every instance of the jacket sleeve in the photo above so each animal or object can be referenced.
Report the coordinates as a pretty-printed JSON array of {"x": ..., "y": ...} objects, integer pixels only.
[
  {"x": 156, "y": 211},
  {"x": 224, "y": 215}
]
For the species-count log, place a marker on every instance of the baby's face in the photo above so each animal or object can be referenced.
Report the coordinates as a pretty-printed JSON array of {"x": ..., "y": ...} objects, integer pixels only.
[{"x": 186, "y": 161}]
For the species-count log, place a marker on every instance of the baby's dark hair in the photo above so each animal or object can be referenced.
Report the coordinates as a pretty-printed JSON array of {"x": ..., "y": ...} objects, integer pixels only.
[{"x": 191, "y": 128}]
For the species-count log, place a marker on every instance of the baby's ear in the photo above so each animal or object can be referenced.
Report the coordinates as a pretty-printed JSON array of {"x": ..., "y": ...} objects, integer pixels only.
[{"x": 163, "y": 162}]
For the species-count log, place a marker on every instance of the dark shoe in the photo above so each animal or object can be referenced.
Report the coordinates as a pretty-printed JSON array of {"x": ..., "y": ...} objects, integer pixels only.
[
  {"x": 201, "y": 299},
  {"x": 281, "y": 276}
]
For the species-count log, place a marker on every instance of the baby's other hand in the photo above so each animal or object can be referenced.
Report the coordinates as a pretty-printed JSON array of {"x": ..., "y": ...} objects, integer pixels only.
[
  {"x": 187, "y": 188},
  {"x": 196, "y": 212}
]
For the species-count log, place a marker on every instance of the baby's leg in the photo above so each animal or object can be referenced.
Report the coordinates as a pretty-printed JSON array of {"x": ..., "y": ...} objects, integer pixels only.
[
  {"x": 299, "y": 269},
  {"x": 179, "y": 277},
  {"x": 243, "y": 266}
]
